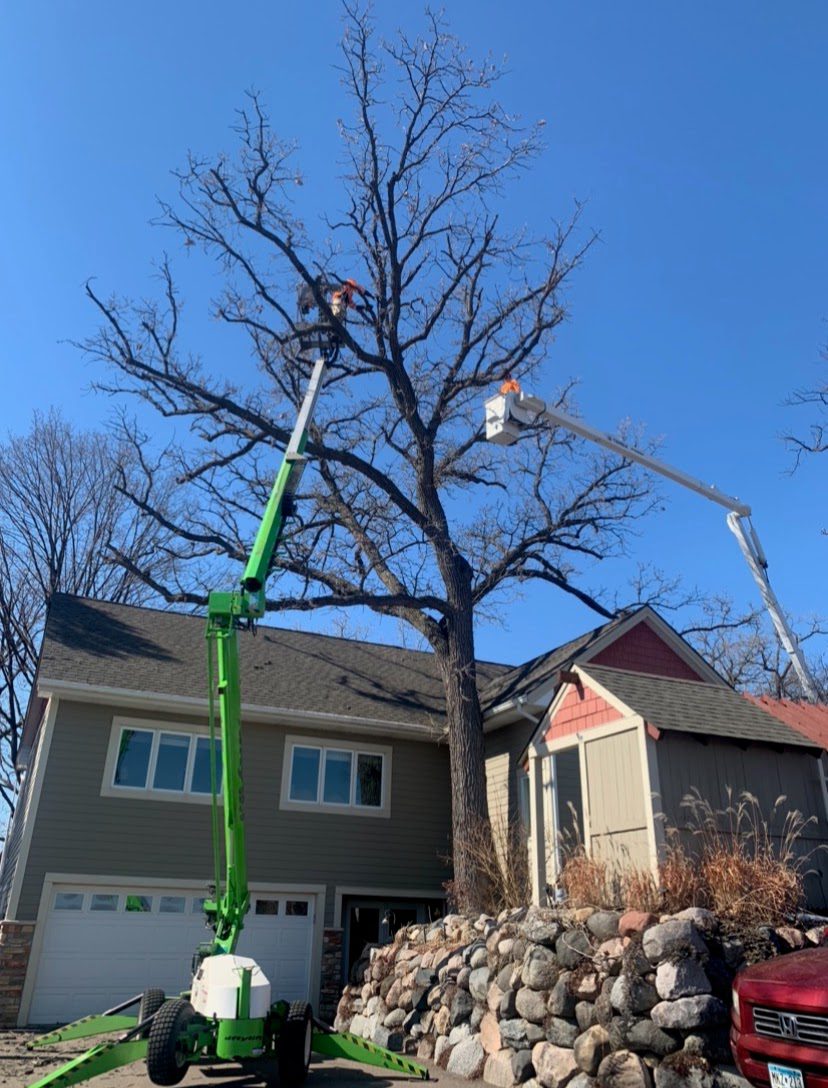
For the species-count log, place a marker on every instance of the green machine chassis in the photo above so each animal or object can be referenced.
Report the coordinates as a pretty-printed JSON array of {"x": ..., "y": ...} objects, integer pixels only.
[{"x": 169, "y": 1034}]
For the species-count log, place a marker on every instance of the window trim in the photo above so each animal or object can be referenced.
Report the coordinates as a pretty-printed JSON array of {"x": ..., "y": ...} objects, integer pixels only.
[
  {"x": 335, "y": 744},
  {"x": 148, "y": 792}
]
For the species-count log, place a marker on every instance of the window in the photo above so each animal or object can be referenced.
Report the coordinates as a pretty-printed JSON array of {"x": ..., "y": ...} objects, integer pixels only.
[
  {"x": 138, "y": 904},
  {"x": 161, "y": 762},
  {"x": 104, "y": 902},
  {"x": 296, "y": 908},
  {"x": 69, "y": 901},
  {"x": 344, "y": 777},
  {"x": 267, "y": 906},
  {"x": 172, "y": 904}
]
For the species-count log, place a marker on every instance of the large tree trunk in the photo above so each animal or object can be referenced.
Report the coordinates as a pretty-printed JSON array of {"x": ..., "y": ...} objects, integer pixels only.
[{"x": 465, "y": 731}]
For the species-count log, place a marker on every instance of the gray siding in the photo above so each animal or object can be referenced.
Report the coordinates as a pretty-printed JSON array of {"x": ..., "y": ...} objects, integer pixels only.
[
  {"x": 11, "y": 851},
  {"x": 616, "y": 800},
  {"x": 685, "y": 765},
  {"x": 78, "y": 831},
  {"x": 502, "y": 751}
]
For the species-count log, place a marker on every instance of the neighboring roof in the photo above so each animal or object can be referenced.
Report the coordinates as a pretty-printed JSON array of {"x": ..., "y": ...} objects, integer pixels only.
[
  {"x": 151, "y": 650},
  {"x": 811, "y": 719},
  {"x": 532, "y": 674},
  {"x": 690, "y": 706}
]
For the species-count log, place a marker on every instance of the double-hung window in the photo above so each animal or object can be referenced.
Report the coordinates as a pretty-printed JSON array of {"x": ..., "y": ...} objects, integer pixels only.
[
  {"x": 336, "y": 776},
  {"x": 155, "y": 761}
]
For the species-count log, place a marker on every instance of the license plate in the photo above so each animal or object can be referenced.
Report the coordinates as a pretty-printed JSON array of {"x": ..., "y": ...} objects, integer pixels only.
[{"x": 782, "y": 1076}]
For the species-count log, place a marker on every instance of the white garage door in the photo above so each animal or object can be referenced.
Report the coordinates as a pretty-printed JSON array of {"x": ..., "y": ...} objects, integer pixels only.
[{"x": 103, "y": 944}]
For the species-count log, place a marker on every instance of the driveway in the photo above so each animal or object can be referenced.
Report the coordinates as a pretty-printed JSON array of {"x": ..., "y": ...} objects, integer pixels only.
[{"x": 20, "y": 1067}]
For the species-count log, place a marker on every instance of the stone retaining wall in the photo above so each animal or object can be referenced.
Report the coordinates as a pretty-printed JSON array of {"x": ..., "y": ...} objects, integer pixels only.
[{"x": 550, "y": 998}]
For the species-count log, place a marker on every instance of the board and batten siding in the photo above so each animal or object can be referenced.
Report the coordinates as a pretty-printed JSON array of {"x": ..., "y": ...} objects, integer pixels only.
[
  {"x": 79, "y": 831},
  {"x": 616, "y": 798},
  {"x": 711, "y": 767},
  {"x": 503, "y": 748}
]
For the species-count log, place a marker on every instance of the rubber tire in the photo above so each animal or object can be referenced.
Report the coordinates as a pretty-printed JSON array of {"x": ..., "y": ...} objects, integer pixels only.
[
  {"x": 165, "y": 1064},
  {"x": 294, "y": 1046},
  {"x": 151, "y": 1002}
]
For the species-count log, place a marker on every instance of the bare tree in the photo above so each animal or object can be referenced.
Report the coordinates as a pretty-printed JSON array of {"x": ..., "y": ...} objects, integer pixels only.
[
  {"x": 816, "y": 399},
  {"x": 407, "y": 511},
  {"x": 65, "y": 522}
]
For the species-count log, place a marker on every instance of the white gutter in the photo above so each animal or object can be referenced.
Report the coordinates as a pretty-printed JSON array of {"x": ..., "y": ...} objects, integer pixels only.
[{"x": 186, "y": 704}]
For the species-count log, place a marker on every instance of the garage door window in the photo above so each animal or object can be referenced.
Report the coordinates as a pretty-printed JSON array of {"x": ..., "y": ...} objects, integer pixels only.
[
  {"x": 172, "y": 904},
  {"x": 68, "y": 901},
  {"x": 104, "y": 902}
]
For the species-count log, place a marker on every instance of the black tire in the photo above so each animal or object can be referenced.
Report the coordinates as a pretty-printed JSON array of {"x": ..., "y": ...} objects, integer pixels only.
[
  {"x": 166, "y": 1058},
  {"x": 294, "y": 1046},
  {"x": 151, "y": 1002}
]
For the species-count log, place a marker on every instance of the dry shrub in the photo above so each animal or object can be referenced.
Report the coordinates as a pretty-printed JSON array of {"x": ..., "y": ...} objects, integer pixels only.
[
  {"x": 498, "y": 849},
  {"x": 743, "y": 865}
]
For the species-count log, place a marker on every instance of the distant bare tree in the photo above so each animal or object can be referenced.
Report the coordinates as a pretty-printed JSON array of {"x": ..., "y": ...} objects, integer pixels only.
[
  {"x": 66, "y": 525},
  {"x": 406, "y": 509},
  {"x": 815, "y": 398}
]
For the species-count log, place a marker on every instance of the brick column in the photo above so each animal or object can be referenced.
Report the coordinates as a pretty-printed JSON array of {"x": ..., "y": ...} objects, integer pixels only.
[
  {"x": 330, "y": 989},
  {"x": 15, "y": 946}
]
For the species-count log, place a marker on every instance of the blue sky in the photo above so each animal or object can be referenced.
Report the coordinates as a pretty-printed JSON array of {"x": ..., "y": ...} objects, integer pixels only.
[{"x": 694, "y": 132}]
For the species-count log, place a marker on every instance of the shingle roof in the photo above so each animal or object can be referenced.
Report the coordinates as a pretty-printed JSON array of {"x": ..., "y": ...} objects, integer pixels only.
[
  {"x": 808, "y": 718},
  {"x": 688, "y": 706},
  {"x": 531, "y": 674},
  {"x": 145, "y": 649}
]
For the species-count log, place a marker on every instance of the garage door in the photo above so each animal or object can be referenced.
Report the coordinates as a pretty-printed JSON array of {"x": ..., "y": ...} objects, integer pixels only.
[{"x": 103, "y": 944}]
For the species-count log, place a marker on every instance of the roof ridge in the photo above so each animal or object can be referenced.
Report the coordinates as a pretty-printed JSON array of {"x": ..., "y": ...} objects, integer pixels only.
[{"x": 587, "y": 665}]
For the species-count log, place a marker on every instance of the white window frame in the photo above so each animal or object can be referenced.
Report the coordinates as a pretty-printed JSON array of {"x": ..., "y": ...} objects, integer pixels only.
[
  {"x": 335, "y": 745},
  {"x": 148, "y": 792}
]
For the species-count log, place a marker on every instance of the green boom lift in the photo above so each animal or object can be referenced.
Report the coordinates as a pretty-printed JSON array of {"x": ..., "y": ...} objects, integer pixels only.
[{"x": 227, "y": 1015}]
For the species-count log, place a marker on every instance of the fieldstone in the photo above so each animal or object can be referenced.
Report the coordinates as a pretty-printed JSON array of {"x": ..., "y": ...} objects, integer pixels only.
[
  {"x": 425, "y": 1047},
  {"x": 507, "y": 1007},
  {"x": 376, "y": 1007},
  {"x": 712, "y": 1044},
  {"x": 358, "y": 1025},
  {"x": 585, "y": 1015},
  {"x": 461, "y": 1007},
  {"x": 494, "y": 996},
  {"x": 508, "y": 1067},
  {"x": 603, "y": 1009},
  {"x": 816, "y": 935},
  {"x": 467, "y": 1059},
  {"x": 387, "y": 1038},
  {"x": 634, "y": 921},
  {"x": 645, "y": 1038},
  {"x": 609, "y": 955},
  {"x": 520, "y": 1034},
  {"x": 530, "y": 1005},
  {"x": 684, "y": 978},
  {"x": 623, "y": 1069},
  {"x": 370, "y": 1026},
  {"x": 479, "y": 958},
  {"x": 675, "y": 937},
  {"x": 581, "y": 1080},
  {"x": 586, "y": 985},
  {"x": 392, "y": 995},
  {"x": 504, "y": 976},
  {"x": 583, "y": 914},
  {"x": 684, "y": 1070},
  {"x": 561, "y": 999},
  {"x": 689, "y": 1012},
  {"x": 729, "y": 1077},
  {"x": 442, "y": 1048},
  {"x": 572, "y": 948},
  {"x": 425, "y": 976},
  {"x": 617, "y": 1031},
  {"x": 476, "y": 1018},
  {"x": 426, "y": 1020},
  {"x": 591, "y": 1048},
  {"x": 411, "y": 1021},
  {"x": 540, "y": 969},
  {"x": 490, "y": 1033},
  {"x": 634, "y": 962},
  {"x": 540, "y": 930},
  {"x": 463, "y": 976},
  {"x": 442, "y": 1020},
  {"x": 435, "y": 997},
  {"x": 733, "y": 951},
  {"x": 479, "y": 983},
  {"x": 458, "y": 1034},
  {"x": 395, "y": 1018},
  {"x": 702, "y": 919},
  {"x": 631, "y": 994},
  {"x": 791, "y": 936},
  {"x": 560, "y": 1032},
  {"x": 555, "y": 1066},
  {"x": 603, "y": 924},
  {"x": 504, "y": 948}
]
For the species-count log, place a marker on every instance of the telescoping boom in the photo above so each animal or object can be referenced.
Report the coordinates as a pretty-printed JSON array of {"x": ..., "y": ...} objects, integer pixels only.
[{"x": 509, "y": 414}]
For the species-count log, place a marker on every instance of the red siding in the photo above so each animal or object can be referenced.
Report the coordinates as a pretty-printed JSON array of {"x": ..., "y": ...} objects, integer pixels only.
[
  {"x": 642, "y": 650},
  {"x": 580, "y": 709}
]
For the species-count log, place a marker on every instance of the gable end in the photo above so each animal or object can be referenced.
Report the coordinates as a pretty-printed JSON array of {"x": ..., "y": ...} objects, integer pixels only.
[{"x": 643, "y": 650}]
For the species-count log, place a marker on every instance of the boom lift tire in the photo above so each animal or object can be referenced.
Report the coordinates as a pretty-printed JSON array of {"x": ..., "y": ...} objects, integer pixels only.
[
  {"x": 294, "y": 1046},
  {"x": 166, "y": 1059},
  {"x": 151, "y": 1002}
]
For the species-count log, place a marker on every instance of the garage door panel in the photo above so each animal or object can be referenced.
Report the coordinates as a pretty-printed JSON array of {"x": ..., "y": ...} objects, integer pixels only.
[{"x": 91, "y": 960}]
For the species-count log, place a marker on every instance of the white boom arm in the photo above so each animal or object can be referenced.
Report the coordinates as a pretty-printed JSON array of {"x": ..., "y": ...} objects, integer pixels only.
[{"x": 508, "y": 414}]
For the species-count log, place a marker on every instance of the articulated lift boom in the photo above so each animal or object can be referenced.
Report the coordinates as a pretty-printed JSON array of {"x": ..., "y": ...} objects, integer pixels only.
[
  {"x": 227, "y": 1015},
  {"x": 510, "y": 412}
]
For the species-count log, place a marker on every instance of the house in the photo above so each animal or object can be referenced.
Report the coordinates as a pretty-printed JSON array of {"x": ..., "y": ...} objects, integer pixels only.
[
  {"x": 618, "y": 750},
  {"x": 347, "y": 792}
]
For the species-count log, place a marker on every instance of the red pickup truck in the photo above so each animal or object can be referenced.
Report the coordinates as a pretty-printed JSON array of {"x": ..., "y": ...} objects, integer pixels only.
[{"x": 779, "y": 1021}]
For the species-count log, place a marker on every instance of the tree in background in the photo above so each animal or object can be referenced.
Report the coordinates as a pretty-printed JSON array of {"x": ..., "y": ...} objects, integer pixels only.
[
  {"x": 66, "y": 525},
  {"x": 406, "y": 510},
  {"x": 817, "y": 400}
]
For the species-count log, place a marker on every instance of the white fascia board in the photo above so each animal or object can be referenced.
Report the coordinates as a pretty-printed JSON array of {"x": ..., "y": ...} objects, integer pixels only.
[{"x": 100, "y": 694}]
